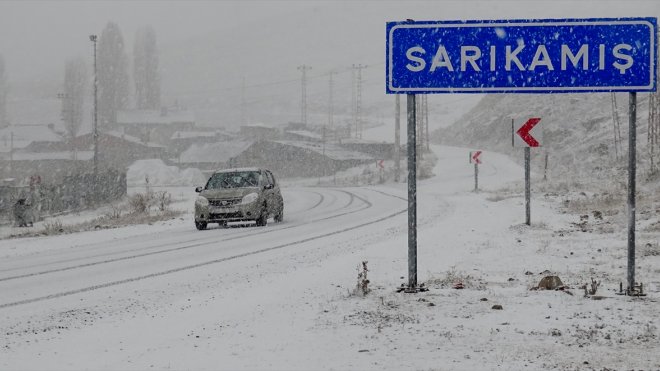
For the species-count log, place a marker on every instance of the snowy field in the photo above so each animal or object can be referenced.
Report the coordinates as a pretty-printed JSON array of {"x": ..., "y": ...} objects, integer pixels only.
[{"x": 166, "y": 296}]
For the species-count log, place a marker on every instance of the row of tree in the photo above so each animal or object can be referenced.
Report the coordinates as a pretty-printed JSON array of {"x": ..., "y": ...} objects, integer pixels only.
[{"x": 112, "y": 79}]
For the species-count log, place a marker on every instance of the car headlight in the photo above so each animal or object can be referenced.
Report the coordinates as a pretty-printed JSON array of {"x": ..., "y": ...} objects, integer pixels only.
[
  {"x": 201, "y": 201},
  {"x": 249, "y": 198}
]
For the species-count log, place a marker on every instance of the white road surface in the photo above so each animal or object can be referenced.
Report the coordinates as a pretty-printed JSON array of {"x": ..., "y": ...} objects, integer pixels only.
[{"x": 167, "y": 296}]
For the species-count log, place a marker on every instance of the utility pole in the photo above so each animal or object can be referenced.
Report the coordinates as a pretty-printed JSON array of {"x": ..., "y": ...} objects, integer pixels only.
[
  {"x": 397, "y": 137},
  {"x": 243, "y": 119},
  {"x": 331, "y": 112},
  {"x": 67, "y": 118},
  {"x": 357, "y": 75},
  {"x": 303, "y": 104},
  {"x": 11, "y": 153},
  {"x": 95, "y": 131}
]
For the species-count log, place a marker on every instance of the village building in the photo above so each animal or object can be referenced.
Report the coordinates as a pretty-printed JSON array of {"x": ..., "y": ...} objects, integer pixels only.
[
  {"x": 300, "y": 159},
  {"x": 155, "y": 125},
  {"x": 212, "y": 156},
  {"x": 259, "y": 132},
  {"x": 182, "y": 140}
]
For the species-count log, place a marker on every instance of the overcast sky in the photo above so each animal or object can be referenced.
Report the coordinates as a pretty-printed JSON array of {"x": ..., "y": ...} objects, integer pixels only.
[{"x": 34, "y": 34}]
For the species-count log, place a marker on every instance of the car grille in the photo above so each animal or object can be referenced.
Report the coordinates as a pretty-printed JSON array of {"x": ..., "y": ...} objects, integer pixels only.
[
  {"x": 234, "y": 215},
  {"x": 226, "y": 202}
]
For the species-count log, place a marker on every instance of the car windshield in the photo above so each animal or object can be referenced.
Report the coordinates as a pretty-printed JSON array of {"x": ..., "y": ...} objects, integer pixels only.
[{"x": 238, "y": 179}]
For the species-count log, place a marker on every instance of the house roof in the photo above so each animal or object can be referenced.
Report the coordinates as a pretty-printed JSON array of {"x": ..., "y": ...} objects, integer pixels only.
[
  {"x": 127, "y": 138},
  {"x": 26, "y": 134},
  {"x": 331, "y": 151},
  {"x": 213, "y": 152},
  {"x": 306, "y": 134},
  {"x": 154, "y": 117},
  {"x": 61, "y": 155},
  {"x": 195, "y": 134},
  {"x": 133, "y": 139}
]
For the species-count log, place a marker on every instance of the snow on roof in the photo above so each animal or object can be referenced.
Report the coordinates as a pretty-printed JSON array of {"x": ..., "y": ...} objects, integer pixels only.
[
  {"x": 62, "y": 155},
  {"x": 238, "y": 169},
  {"x": 193, "y": 134},
  {"x": 259, "y": 125},
  {"x": 306, "y": 134},
  {"x": 331, "y": 151},
  {"x": 133, "y": 139},
  {"x": 26, "y": 134},
  {"x": 213, "y": 152},
  {"x": 159, "y": 173},
  {"x": 154, "y": 117},
  {"x": 360, "y": 141}
]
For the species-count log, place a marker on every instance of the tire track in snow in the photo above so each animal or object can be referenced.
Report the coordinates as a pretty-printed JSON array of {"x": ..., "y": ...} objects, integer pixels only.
[
  {"x": 210, "y": 262},
  {"x": 189, "y": 246},
  {"x": 160, "y": 245}
]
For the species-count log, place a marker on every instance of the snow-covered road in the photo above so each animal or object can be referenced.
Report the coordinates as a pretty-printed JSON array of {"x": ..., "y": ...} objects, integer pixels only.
[{"x": 167, "y": 296}]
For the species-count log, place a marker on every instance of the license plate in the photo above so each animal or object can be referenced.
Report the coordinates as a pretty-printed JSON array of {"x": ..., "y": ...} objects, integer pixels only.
[{"x": 219, "y": 210}]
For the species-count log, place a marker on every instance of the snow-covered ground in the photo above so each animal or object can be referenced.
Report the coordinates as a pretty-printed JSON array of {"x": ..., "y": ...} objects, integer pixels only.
[{"x": 166, "y": 296}]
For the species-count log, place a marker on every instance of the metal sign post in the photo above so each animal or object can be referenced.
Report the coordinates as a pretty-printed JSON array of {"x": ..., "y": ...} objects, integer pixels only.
[
  {"x": 412, "y": 195},
  {"x": 528, "y": 189},
  {"x": 476, "y": 177},
  {"x": 397, "y": 138},
  {"x": 632, "y": 172},
  {"x": 475, "y": 157}
]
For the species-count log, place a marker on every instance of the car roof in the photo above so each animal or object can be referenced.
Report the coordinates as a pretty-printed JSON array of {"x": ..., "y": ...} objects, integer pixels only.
[{"x": 239, "y": 169}]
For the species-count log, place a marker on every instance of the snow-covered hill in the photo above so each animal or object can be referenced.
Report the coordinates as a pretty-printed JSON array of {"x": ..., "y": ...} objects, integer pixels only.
[{"x": 578, "y": 130}]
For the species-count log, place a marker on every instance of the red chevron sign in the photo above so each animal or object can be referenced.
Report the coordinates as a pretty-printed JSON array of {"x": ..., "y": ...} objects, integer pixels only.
[
  {"x": 524, "y": 132},
  {"x": 474, "y": 157}
]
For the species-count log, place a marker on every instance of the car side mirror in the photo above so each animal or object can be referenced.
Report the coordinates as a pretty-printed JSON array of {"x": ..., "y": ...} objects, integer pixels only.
[
  {"x": 269, "y": 186},
  {"x": 198, "y": 189}
]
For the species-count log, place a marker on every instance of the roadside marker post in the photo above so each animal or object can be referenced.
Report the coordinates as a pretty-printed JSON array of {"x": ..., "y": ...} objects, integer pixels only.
[
  {"x": 475, "y": 157},
  {"x": 521, "y": 56},
  {"x": 523, "y": 137}
]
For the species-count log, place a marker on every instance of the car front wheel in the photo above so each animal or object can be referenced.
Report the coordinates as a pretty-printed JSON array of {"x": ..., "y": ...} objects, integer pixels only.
[
  {"x": 262, "y": 220},
  {"x": 200, "y": 225},
  {"x": 279, "y": 217}
]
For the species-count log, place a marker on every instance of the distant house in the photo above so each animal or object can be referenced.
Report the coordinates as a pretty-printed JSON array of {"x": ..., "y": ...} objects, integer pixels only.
[
  {"x": 153, "y": 125},
  {"x": 119, "y": 150},
  {"x": 212, "y": 156},
  {"x": 302, "y": 135},
  {"x": 380, "y": 150},
  {"x": 51, "y": 167},
  {"x": 18, "y": 139},
  {"x": 21, "y": 136},
  {"x": 182, "y": 140},
  {"x": 300, "y": 159},
  {"x": 259, "y": 132}
]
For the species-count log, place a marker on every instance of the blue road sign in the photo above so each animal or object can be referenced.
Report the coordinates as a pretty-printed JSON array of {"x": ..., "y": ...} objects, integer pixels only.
[{"x": 522, "y": 56}]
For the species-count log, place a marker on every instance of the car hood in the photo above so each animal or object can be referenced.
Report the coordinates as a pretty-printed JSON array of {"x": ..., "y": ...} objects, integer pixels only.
[{"x": 227, "y": 192}]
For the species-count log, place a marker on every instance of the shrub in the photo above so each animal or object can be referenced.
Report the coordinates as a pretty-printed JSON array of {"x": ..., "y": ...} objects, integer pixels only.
[
  {"x": 140, "y": 203},
  {"x": 163, "y": 199}
]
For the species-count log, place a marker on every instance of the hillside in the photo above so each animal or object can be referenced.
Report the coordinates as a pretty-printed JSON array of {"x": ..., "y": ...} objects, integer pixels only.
[{"x": 578, "y": 131}]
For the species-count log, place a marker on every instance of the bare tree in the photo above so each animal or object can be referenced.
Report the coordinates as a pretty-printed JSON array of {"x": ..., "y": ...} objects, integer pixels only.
[
  {"x": 112, "y": 75},
  {"x": 145, "y": 70},
  {"x": 75, "y": 86}
]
